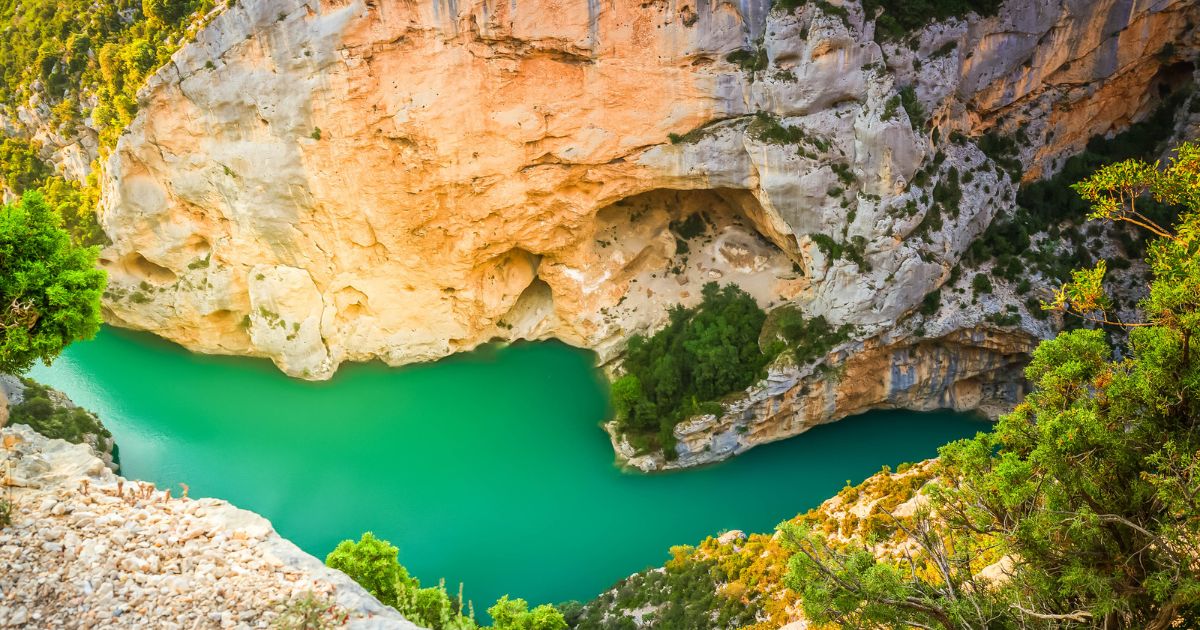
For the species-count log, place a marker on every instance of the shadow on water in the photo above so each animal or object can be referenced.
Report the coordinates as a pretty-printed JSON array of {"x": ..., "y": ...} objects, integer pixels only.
[{"x": 487, "y": 468}]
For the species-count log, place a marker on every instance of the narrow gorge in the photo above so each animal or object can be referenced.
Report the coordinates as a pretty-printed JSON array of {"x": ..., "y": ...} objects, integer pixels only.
[
  {"x": 520, "y": 263},
  {"x": 320, "y": 182}
]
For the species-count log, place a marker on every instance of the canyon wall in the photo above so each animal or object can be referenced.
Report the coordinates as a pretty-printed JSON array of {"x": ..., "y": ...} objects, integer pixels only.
[{"x": 317, "y": 182}]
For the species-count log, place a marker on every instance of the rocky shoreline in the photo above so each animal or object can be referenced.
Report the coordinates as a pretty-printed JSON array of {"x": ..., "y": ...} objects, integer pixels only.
[{"x": 88, "y": 548}]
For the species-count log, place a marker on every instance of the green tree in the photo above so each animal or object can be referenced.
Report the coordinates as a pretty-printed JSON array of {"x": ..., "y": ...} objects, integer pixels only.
[
  {"x": 701, "y": 355},
  {"x": 167, "y": 11},
  {"x": 514, "y": 614},
  {"x": 1089, "y": 490},
  {"x": 374, "y": 564},
  {"x": 49, "y": 289}
]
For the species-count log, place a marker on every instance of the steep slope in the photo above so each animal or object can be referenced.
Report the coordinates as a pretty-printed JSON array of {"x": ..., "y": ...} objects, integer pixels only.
[
  {"x": 88, "y": 548},
  {"x": 320, "y": 182},
  {"x": 317, "y": 182}
]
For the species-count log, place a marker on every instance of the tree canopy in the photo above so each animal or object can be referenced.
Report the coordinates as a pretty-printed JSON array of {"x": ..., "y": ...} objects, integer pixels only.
[
  {"x": 49, "y": 288},
  {"x": 374, "y": 564},
  {"x": 701, "y": 355},
  {"x": 1085, "y": 500}
]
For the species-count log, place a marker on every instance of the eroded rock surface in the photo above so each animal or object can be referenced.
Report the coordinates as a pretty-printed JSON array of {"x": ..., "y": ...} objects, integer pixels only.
[
  {"x": 319, "y": 182},
  {"x": 88, "y": 549}
]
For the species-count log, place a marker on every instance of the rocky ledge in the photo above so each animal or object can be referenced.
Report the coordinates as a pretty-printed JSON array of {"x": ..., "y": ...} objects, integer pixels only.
[{"x": 88, "y": 548}]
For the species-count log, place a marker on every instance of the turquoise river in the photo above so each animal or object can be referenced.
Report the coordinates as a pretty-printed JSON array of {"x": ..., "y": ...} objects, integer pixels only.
[{"x": 488, "y": 468}]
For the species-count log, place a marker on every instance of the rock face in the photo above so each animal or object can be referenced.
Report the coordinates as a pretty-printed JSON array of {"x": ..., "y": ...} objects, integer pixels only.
[
  {"x": 87, "y": 548},
  {"x": 975, "y": 369},
  {"x": 318, "y": 182}
]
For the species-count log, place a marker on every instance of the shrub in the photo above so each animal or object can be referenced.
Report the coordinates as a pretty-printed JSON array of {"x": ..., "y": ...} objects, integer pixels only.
[
  {"x": 1043, "y": 205},
  {"x": 807, "y": 339},
  {"x": 374, "y": 564},
  {"x": 514, "y": 614},
  {"x": 691, "y": 227},
  {"x": 39, "y": 411},
  {"x": 767, "y": 128},
  {"x": 897, "y": 18},
  {"x": 748, "y": 60},
  {"x": 931, "y": 302},
  {"x": 981, "y": 283},
  {"x": 701, "y": 355},
  {"x": 912, "y": 105}
]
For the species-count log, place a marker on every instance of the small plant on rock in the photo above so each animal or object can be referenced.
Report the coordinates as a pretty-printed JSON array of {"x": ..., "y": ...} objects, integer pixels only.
[{"x": 311, "y": 612}]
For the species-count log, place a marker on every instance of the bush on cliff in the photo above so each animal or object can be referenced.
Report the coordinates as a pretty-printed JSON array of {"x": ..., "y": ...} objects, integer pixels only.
[
  {"x": 70, "y": 50},
  {"x": 899, "y": 18},
  {"x": 375, "y": 565},
  {"x": 1089, "y": 490},
  {"x": 1046, "y": 204},
  {"x": 49, "y": 289},
  {"x": 52, "y": 420},
  {"x": 703, "y": 354}
]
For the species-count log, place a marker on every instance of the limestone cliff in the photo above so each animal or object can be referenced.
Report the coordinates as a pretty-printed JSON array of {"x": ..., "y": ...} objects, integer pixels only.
[
  {"x": 326, "y": 181},
  {"x": 317, "y": 182}
]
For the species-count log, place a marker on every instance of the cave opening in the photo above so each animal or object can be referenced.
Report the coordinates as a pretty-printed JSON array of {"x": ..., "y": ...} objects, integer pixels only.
[{"x": 664, "y": 245}]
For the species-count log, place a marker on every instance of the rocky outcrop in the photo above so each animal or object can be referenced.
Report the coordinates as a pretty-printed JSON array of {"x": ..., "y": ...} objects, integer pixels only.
[
  {"x": 57, "y": 415},
  {"x": 977, "y": 369},
  {"x": 87, "y": 548},
  {"x": 319, "y": 182}
]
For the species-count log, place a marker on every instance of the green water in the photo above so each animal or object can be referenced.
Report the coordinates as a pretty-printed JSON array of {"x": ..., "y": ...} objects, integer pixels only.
[{"x": 487, "y": 468}]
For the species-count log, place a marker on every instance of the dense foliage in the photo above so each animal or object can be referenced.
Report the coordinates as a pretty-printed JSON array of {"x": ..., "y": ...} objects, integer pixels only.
[
  {"x": 69, "y": 55},
  {"x": 1044, "y": 205},
  {"x": 374, "y": 564},
  {"x": 49, "y": 288},
  {"x": 67, "y": 51},
  {"x": 899, "y": 18},
  {"x": 22, "y": 170},
  {"x": 514, "y": 614},
  {"x": 691, "y": 591},
  {"x": 1088, "y": 492},
  {"x": 38, "y": 410},
  {"x": 703, "y": 354}
]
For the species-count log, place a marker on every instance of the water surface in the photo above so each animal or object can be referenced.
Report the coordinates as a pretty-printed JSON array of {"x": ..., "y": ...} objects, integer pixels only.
[{"x": 487, "y": 468}]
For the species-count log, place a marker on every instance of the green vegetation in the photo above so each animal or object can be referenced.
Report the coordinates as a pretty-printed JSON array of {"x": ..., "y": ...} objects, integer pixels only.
[
  {"x": 514, "y": 614},
  {"x": 787, "y": 328},
  {"x": 687, "y": 593},
  {"x": 71, "y": 53},
  {"x": 1043, "y": 205},
  {"x": 766, "y": 128},
  {"x": 38, "y": 410},
  {"x": 898, "y": 19},
  {"x": 853, "y": 250},
  {"x": 981, "y": 284},
  {"x": 706, "y": 353},
  {"x": 49, "y": 289},
  {"x": 749, "y": 60},
  {"x": 76, "y": 49},
  {"x": 931, "y": 302},
  {"x": 703, "y": 354},
  {"x": 23, "y": 170},
  {"x": 374, "y": 564},
  {"x": 912, "y": 105},
  {"x": 1089, "y": 490}
]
